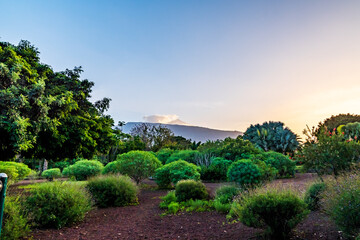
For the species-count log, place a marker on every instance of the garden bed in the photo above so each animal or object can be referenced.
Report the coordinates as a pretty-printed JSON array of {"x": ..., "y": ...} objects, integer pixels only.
[{"x": 144, "y": 221}]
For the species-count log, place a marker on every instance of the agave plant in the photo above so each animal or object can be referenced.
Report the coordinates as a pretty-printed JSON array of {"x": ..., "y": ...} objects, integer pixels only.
[{"x": 272, "y": 136}]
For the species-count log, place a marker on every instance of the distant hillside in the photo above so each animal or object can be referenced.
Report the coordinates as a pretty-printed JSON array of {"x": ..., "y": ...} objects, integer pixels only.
[{"x": 191, "y": 132}]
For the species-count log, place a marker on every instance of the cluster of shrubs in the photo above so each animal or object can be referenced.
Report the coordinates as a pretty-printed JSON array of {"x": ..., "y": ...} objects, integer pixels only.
[{"x": 59, "y": 204}]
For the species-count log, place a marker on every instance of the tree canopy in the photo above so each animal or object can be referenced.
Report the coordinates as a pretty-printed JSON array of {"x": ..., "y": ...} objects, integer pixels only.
[{"x": 48, "y": 114}]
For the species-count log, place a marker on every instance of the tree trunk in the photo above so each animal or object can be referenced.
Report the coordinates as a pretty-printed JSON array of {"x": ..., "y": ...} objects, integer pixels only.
[{"x": 45, "y": 166}]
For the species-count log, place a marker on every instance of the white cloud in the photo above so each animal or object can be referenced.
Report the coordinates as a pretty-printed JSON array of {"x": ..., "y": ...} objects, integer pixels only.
[{"x": 165, "y": 119}]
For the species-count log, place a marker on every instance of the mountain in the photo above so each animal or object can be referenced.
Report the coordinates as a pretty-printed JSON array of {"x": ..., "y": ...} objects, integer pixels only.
[{"x": 190, "y": 132}]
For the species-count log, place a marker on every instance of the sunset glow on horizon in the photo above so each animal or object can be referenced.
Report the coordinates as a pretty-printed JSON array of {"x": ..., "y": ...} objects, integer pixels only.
[{"x": 217, "y": 64}]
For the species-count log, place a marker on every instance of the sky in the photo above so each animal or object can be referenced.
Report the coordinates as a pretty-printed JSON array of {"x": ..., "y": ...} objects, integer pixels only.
[{"x": 220, "y": 64}]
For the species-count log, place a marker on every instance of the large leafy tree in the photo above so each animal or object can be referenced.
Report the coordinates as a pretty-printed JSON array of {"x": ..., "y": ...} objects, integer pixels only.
[
  {"x": 47, "y": 114},
  {"x": 333, "y": 122},
  {"x": 272, "y": 136}
]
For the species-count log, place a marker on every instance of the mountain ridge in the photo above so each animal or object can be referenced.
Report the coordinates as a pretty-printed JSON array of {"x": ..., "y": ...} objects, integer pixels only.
[{"x": 195, "y": 133}]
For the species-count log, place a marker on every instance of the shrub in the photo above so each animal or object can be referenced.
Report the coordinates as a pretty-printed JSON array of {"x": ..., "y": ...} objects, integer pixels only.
[
  {"x": 186, "y": 155},
  {"x": 245, "y": 173},
  {"x": 51, "y": 174},
  {"x": 176, "y": 171},
  {"x": 342, "y": 203},
  {"x": 313, "y": 195},
  {"x": 15, "y": 224},
  {"x": 190, "y": 189},
  {"x": 283, "y": 164},
  {"x": 113, "y": 190},
  {"x": 198, "y": 205},
  {"x": 280, "y": 211},
  {"x": 55, "y": 205},
  {"x": 83, "y": 169},
  {"x": 217, "y": 170},
  {"x": 22, "y": 170},
  {"x": 164, "y": 154},
  {"x": 136, "y": 164}
]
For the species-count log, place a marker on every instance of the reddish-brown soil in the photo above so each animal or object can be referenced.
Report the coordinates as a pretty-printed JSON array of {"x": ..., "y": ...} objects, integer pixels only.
[{"x": 144, "y": 222}]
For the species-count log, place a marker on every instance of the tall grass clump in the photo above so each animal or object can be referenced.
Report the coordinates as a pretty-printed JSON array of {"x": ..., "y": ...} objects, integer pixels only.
[
  {"x": 113, "y": 190},
  {"x": 342, "y": 203},
  {"x": 15, "y": 223},
  {"x": 55, "y": 204}
]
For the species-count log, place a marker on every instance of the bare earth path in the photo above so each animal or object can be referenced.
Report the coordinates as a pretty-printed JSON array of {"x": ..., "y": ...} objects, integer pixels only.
[{"x": 144, "y": 222}]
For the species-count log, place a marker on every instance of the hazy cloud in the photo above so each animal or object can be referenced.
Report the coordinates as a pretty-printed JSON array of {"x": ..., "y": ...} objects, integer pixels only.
[{"x": 165, "y": 119}]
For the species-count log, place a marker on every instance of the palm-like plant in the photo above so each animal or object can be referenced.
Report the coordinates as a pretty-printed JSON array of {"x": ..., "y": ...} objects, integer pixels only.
[{"x": 272, "y": 136}]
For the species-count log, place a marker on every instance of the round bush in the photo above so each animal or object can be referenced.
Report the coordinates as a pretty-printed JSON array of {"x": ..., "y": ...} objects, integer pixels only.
[
  {"x": 55, "y": 205},
  {"x": 190, "y": 189},
  {"x": 176, "y": 171},
  {"x": 113, "y": 190},
  {"x": 284, "y": 165},
  {"x": 84, "y": 169},
  {"x": 313, "y": 195},
  {"x": 21, "y": 169},
  {"x": 279, "y": 211},
  {"x": 136, "y": 164},
  {"x": 51, "y": 174},
  {"x": 216, "y": 171},
  {"x": 10, "y": 171},
  {"x": 15, "y": 224},
  {"x": 245, "y": 173}
]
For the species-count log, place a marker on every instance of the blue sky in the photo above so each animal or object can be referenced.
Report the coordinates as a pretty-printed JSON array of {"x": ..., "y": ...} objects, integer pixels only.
[{"x": 220, "y": 64}]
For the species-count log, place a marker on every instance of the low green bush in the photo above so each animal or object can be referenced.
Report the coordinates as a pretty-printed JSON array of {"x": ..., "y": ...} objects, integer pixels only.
[
  {"x": 245, "y": 173},
  {"x": 15, "y": 223},
  {"x": 174, "y": 207},
  {"x": 198, "y": 205},
  {"x": 136, "y": 164},
  {"x": 22, "y": 170},
  {"x": 284, "y": 165},
  {"x": 51, "y": 174},
  {"x": 186, "y": 155},
  {"x": 224, "y": 196},
  {"x": 279, "y": 211},
  {"x": 190, "y": 189},
  {"x": 176, "y": 171},
  {"x": 313, "y": 195},
  {"x": 216, "y": 171},
  {"x": 112, "y": 190},
  {"x": 342, "y": 202},
  {"x": 84, "y": 169},
  {"x": 56, "y": 204}
]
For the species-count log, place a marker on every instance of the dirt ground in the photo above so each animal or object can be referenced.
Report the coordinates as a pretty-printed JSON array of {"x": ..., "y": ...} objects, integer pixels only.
[{"x": 144, "y": 222}]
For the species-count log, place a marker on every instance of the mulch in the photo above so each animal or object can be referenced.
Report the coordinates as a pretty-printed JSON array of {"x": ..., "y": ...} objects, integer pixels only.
[{"x": 144, "y": 221}]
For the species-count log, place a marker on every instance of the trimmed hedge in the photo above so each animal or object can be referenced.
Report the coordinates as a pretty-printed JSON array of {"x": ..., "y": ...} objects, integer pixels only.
[
  {"x": 190, "y": 189},
  {"x": 84, "y": 169}
]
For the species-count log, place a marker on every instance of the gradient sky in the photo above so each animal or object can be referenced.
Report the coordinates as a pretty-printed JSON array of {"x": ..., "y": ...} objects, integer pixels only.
[{"x": 220, "y": 64}]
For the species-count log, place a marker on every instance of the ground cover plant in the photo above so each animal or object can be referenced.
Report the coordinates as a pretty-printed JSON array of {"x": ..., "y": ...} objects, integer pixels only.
[
  {"x": 224, "y": 197},
  {"x": 113, "y": 191},
  {"x": 83, "y": 169},
  {"x": 55, "y": 205},
  {"x": 173, "y": 172},
  {"x": 136, "y": 164}
]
